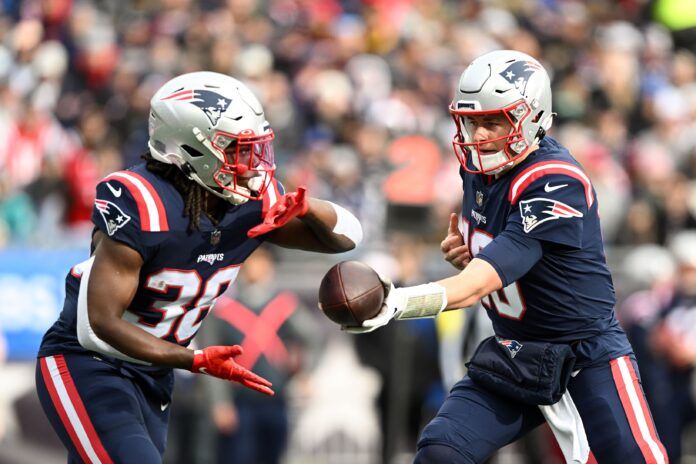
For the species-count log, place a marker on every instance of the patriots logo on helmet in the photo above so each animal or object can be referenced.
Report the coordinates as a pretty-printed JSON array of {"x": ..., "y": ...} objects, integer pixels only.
[
  {"x": 212, "y": 103},
  {"x": 513, "y": 346},
  {"x": 113, "y": 216},
  {"x": 518, "y": 73},
  {"x": 539, "y": 210}
]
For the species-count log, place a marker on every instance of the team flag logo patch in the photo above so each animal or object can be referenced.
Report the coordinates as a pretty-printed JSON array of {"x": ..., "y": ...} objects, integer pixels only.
[
  {"x": 479, "y": 198},
  {"x": 212, "y": 103},
  {"x": 540, "y": 210},
  {"x": 113, "y": 216},
  {"x": 513, "y": 346}
]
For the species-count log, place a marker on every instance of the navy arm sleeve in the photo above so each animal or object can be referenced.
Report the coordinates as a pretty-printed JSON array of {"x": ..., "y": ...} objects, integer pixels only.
[
  {"x": 512, "y": 255},
  {"x": 550, "y": 210}
]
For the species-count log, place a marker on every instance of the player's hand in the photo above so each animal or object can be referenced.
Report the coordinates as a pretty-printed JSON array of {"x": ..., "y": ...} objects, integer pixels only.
[
  {"x": 219, "y": 362},
  {"x": 290, "y": 205},
  {"x": 390, "y": 308},
  {"x": 453, "y": 247}
]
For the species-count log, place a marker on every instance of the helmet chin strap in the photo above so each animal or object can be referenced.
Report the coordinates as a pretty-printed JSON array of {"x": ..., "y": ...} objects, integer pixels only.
[
  {"x": 256, "y": 183},
  {"x": 498, "y": 158},
  {"x": 507, "y": 166},
  {"x": 500, "y": 169}
]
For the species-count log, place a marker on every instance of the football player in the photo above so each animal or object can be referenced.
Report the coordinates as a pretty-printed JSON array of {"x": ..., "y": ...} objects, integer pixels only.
[
  {"x": 170, "y": 236},
  {"x": 529, "y": 248}
]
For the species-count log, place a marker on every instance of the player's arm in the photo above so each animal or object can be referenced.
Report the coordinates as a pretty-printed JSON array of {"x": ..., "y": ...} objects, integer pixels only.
[
  {"x": 465, "y": 289},
  {"x": 477, "y": 280},
  {"x": 111, "y": 285},
  {"x": 538, "y": 216},
  {"x": 297, "y": 221},
  {"x": 506, "y": 259},
  {"x": 325, "y": 228}
]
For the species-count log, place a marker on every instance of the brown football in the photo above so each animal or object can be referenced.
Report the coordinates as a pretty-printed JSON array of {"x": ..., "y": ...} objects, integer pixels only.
[{"x": 350, "y": 293}]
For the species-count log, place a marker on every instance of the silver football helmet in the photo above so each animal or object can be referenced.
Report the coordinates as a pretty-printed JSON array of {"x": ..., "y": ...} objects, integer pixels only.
[
  {"x": 213, "y": 128},
  {"x": 504, "y": 82}
]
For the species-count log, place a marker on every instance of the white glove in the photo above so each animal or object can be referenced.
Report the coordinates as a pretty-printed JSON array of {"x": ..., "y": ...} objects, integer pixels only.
[{"x": 390, "y": 308}]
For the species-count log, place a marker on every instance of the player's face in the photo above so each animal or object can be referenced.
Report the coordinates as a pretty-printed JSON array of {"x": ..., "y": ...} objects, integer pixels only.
[
  {"x": 493, "y": 127},
  {"x": 249, "y": 155},
  {"x": 249, "y": 162}
]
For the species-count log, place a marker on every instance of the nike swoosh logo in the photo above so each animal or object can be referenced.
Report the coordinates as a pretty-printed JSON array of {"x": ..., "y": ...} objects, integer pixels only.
[
  {"x": 203, "y": 370},
  {"x": 164, "y": 406},
  {"x": 547, "y": 187},
  {"x": 116, "y": 192}
]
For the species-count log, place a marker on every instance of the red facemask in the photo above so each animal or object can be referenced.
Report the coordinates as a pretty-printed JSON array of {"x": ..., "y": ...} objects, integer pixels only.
[{"x": 249, "y": 164}]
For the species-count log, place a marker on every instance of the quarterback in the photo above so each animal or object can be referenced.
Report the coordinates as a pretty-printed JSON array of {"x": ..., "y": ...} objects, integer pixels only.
[{"x": 530, "y": 250}]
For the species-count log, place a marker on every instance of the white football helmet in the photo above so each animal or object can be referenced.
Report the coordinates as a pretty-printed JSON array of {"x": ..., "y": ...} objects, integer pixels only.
[
  {"x": 213, "y": 128},
  {"x": 504, "y": 82}
]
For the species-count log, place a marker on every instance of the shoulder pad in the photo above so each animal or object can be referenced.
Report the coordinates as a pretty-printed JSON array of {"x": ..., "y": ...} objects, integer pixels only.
[{"x": 151, "y": 210}]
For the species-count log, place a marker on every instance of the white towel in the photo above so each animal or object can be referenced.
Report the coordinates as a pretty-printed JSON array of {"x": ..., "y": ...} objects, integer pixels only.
[{"x": 566, "y": 424}]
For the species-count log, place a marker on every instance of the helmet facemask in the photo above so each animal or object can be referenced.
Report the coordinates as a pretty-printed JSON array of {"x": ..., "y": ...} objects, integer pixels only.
[
  {"x": 515, "y": 146},
  {"x": 248, "y": 164}
]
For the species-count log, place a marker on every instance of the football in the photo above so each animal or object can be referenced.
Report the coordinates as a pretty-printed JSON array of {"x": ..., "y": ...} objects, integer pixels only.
[{"x": 350, "y": 293}]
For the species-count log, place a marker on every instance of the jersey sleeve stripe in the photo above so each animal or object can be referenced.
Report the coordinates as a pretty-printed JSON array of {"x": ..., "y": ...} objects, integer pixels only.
[
  {"x": 71, "y": 410},
  {"x": 153, "y": 216},
  {"x": 536, "y": 171}
]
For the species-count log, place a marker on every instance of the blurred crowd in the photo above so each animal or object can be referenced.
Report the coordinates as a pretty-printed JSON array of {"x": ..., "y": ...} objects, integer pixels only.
[{"x": 357, "y": 93}]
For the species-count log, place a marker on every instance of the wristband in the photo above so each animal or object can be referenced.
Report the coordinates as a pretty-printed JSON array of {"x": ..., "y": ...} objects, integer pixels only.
[
  {"x": 347, "y": 224},
  {"x": 426, "y": 300}
]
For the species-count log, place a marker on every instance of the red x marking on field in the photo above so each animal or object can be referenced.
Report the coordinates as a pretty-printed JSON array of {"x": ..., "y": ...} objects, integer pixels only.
[{"x": 260, "y": 331}]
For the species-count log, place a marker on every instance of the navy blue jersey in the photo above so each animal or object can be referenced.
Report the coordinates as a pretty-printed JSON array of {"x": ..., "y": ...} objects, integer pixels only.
[
  {"x": 183, "y": 272},
  {"x": 538, "y": 226}
]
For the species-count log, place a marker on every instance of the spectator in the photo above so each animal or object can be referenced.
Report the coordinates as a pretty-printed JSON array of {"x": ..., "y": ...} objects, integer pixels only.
[
  {"x": 341, "y": 82},
  {"x": 674, "y": 341}
]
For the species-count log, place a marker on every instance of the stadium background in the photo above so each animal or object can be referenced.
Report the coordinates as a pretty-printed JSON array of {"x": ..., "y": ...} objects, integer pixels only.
[{"x": 357, "y": 93}]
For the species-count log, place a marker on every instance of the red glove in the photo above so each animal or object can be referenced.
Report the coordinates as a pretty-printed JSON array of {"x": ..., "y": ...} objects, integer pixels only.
[
  {"x": 218, "y": 361},
  {"x": 287, "y": 207}
]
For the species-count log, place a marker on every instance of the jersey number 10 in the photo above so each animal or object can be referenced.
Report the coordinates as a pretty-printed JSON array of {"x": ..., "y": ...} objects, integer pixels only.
[{"x": 508, "y": 301}]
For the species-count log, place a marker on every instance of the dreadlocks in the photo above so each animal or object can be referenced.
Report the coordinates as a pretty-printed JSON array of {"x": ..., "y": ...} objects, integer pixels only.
[{"x": 192, "y": 193}]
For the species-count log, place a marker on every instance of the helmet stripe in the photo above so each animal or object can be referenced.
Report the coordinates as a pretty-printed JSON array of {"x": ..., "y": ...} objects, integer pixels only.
[
  {"x": 153, "y": 216},
  {"x": 182, "y": 95}
]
